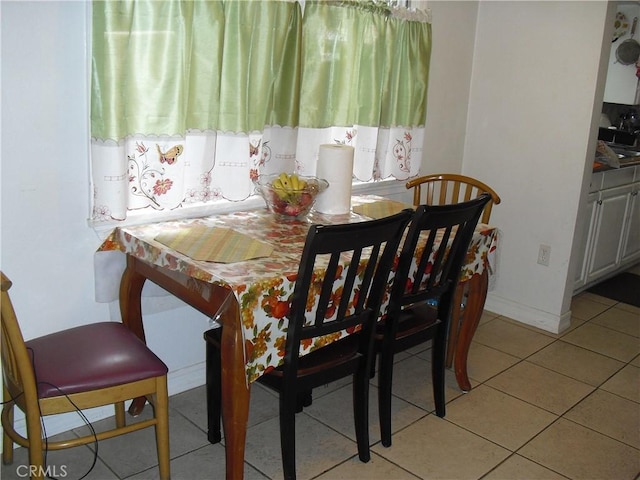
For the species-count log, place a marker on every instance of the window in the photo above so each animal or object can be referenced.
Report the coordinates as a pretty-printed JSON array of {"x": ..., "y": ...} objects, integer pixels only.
[{"x": 191, "y": 100}]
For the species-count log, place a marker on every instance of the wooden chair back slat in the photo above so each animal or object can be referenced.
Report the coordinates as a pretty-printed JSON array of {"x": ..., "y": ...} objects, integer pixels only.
[{"x": 450, "y": 188}]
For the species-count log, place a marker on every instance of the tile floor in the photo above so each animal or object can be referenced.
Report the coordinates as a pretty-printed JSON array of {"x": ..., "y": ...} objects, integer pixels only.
[{"x": 542, "y": 406}]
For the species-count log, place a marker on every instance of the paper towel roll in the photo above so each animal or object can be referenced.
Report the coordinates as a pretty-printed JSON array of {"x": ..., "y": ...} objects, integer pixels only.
[{"x": 335, "y": 165}]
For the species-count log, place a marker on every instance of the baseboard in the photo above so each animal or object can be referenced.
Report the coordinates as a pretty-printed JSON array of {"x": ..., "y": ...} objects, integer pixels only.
[
  {"x": 528, "y": 315},
  {"x": 187, "y": 378}
]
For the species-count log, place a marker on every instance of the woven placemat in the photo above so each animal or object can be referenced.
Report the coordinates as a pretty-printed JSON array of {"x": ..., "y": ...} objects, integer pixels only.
[{"x": 215, "y": 244}]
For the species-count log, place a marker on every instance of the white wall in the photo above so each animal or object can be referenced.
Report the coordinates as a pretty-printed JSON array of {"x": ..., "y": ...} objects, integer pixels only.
[
  {"x": 536, "y": 81},
  {"x": 453, "y": 35},
  {"x": 532, "y": 76},
  {"x": 514, "y": 95},
  {"x": 46, "y": 244}
]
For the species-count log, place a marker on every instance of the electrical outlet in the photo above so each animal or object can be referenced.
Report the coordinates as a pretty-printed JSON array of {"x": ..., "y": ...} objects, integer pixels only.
[{"x": 543, "y": 255}]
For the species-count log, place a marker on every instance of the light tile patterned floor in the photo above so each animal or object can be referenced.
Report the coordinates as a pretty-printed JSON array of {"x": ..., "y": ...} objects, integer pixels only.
[{"x": 542, "y": 406}]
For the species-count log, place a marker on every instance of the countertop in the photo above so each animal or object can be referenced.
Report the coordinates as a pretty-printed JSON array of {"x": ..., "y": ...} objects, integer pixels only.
[
  {"x": 601, "y": 167},
  {"x": 625, "y": 160}
]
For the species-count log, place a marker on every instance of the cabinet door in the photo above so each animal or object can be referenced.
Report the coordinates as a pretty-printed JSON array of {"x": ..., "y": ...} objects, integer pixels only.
[
  {"x": 587, "y": 239},
  {"x": 631, "y": 244},
  {"x": 610, "y": 220}
]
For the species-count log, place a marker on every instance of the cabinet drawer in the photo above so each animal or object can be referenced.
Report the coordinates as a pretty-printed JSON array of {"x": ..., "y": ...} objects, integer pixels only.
[{"x": 615, "y": 178}]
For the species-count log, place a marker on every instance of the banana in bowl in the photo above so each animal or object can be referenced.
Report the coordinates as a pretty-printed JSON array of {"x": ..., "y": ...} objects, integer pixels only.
[{"x": 288, "y": 194}]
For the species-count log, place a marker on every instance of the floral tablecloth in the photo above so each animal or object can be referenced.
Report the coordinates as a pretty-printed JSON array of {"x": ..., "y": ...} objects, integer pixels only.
[{"x": 262, "y": 286}]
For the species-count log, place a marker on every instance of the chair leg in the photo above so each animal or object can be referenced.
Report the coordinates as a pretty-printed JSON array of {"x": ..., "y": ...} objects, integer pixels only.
[
  {"x": 34, "y": 434},
  {"x": 438, "y": 368},
  {"x": 361, "y": 412},
  {"x": 288, "y": 434},
  {"x": 214, "y": 393},
  {"x": 7, "y": 414},
  {"x": 457, "y": 311},
  {"x": 304, "y": 399},
  {"x": 374, "y": 358},
  {"x": 7, "y": 443},
  {"x": 385, "y": 382},
  {"x": 161, "y": 410},
  {"x": 120, "y": 416}
]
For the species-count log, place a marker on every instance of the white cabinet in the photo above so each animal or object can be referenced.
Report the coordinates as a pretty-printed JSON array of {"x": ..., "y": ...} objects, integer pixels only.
[
  {"x": 631, "y": 238},
  {"x": 584, "y": 247},
  {"x": 611, "y": 210},
  {"x": 612, "y": 239}
]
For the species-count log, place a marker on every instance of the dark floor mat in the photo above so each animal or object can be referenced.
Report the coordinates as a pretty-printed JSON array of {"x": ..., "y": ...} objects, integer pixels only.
[{"x": 624, "y": 287}]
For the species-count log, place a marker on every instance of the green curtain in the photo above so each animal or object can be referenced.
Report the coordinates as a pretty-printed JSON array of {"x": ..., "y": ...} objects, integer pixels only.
[
  {"x": 164, "y": 67},
  {"x": 260, "y": 74},
  {"x": 409, "y": 55},
  {"x": 362, "y": 66}
]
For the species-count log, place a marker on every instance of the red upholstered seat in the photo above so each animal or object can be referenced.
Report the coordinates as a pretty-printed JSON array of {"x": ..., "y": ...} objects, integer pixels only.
[{"x": 91, "y": 357}]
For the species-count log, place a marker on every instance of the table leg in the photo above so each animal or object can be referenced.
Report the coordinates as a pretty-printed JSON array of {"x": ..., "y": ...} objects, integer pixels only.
[
  {"x": 454, "y": 324},
  {"x": 131, "y": 313},
  {"x": 478, "y": 286},
  {"x": 235, "y": 391}
]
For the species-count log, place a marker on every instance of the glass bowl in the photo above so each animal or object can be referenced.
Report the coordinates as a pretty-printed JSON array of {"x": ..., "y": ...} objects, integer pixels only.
[{"x": 290, "y": 195}]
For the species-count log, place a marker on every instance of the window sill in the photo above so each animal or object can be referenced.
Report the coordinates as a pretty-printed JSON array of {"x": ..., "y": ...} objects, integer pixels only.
[{"x": 385, "y": 187}]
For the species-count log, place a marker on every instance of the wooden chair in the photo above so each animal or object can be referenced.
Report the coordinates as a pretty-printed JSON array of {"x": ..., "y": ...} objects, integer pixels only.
[
  {"x": 79, "y": 368},
  {"x": 443, "y": 189},
  {"x": 422, "y": 295},
  {"x": 358, "y": 306},
  {"x": 446, "y": 188}
]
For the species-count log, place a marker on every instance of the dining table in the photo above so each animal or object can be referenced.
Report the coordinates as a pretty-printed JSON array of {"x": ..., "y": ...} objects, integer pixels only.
[{"x": 239, "y": 269}]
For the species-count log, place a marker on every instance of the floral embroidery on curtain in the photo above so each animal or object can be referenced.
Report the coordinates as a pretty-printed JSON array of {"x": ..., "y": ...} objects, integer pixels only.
[{"x": 192, "y": 99}]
